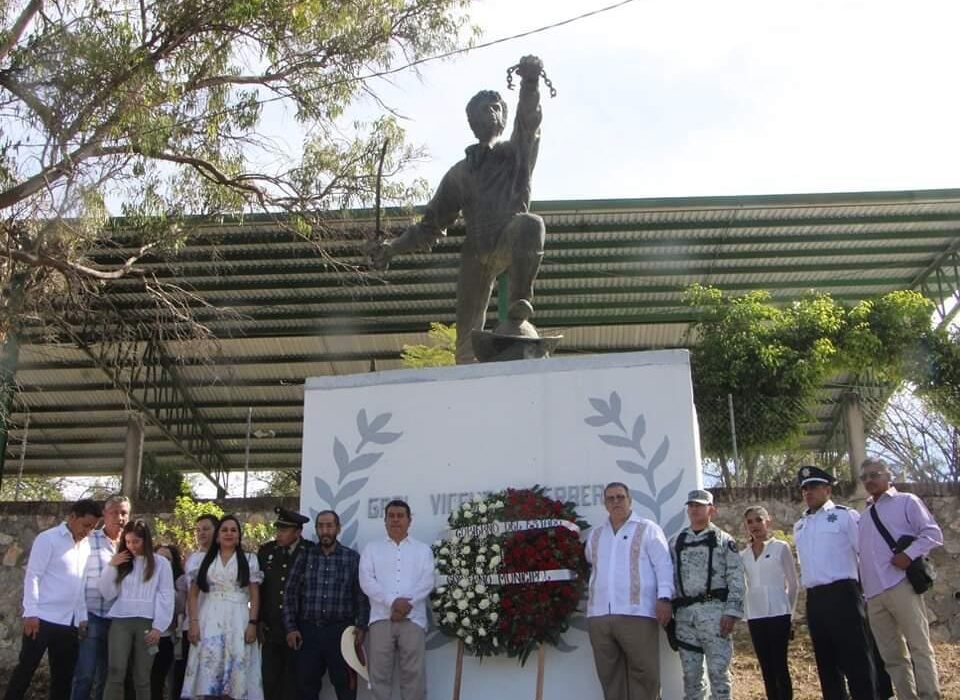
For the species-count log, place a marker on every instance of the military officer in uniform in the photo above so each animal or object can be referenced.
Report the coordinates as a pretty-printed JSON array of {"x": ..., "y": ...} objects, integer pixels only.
[
  {"x": 826, "y": 537},
  {"x": 708, "y": 598},
  {"x": 276, "y": 560}
]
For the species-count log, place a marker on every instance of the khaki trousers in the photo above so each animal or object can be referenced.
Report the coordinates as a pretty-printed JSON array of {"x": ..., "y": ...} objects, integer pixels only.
[
  {"x": 126, "y": 636},
  {"x": 626, "y": 651},
  {"x": 898, "y": 618},
  {"x": 401, "y": 642}
]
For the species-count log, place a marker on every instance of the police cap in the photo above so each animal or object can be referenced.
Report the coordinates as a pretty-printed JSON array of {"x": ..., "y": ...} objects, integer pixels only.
[
  {"x": 810, "y": 474},
  {"x": 289, "y": 518}
]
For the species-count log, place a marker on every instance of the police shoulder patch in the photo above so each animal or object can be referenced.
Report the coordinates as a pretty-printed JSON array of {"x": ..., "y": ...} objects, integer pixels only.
[{"x": 732, "y": 546}]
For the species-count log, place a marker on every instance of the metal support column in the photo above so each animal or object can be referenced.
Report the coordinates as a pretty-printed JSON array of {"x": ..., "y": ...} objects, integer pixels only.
[
  {"x": 856, "y": 438},
  {"x": 132, "y": 458},
  {"x": 9, "y": 357}
]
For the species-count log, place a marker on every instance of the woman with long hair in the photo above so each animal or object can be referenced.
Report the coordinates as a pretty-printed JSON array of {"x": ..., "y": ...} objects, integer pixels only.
[
  {"x": 204, "y": 529},
  {"x": 222, "y": 607},
  {"x": 140, "y": 583},
  {"x": 772, "y": 587},
  {"x": 165, "y": 656}
]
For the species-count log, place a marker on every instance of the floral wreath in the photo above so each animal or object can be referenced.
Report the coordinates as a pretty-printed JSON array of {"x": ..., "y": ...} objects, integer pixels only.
[{"x": 511, "y": 572}]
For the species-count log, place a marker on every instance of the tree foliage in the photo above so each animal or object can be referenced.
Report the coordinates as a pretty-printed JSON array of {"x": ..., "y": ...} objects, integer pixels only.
[
  {"x": 771, "y": 359},
  {"x": 440, "y": 351},
  {"x": 33, "y": 488},
  {"x": 161, "y": 482},
  {"x": 937, "y": 375},
  {"x": 178, "y": 528},
  {"x": 155, "y": 110},
  {"x": 917, "y": 440},
  {"x": 281, "y": 483}
]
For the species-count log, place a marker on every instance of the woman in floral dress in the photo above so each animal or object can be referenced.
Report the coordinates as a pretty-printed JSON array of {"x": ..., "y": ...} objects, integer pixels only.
[{"x": 224, "y": 653}]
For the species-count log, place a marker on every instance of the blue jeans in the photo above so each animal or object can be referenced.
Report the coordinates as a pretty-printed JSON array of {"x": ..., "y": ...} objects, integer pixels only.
[{"x": 90, "y": 674}]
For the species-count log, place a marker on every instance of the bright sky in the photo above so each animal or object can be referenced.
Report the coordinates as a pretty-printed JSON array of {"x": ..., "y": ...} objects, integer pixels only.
[{"x": 700, "y": 97}]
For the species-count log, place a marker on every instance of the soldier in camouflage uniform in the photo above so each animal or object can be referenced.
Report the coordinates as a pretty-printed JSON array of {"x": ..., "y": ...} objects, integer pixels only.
[{"x": 708, "y": 599}]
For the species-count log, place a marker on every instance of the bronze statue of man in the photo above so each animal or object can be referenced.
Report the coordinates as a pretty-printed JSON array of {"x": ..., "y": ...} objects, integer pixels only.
[{"x": 491, "y": 187}]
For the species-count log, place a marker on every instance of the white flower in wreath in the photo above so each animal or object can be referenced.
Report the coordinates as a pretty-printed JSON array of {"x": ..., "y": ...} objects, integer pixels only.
[
  {"x": 482, "y": 632},
  {"x": 468, "y": 514},
  {"x": 495, "y": 642},
  {"x": 471, "y": 595},
  {"x": 462, "y": 605},
  {"x": 441, "y": 590},
  {"x": 469, "y": 639},
  {"x": 465, "y": 622},
  {"x": 484, "y": 604},
  {"x": 465, "y": 572},
  {"x": 498, "y": 504},
  {"x": 451, "y": 617},
  {"x": 494, "y": 617},
  {"x": 454, "y": 562},
  {"x": 467, "y": 506},
  {"x": 454, "y": 540},
  {"x": 481, "y": 558},
  {"x": 483, "y": 549},
  {"x": 494, "y": 563},
  {"x": 461, "y": 632},
  {"x": 480, "y": 570},
  {"x": 444, "y": 551},
  {"x": 465, "y": 549},
  {"x": 495, "y": 547},
  {"x": 480, "y": 588},
  {"x": 496, "y": 597},
  {"x": 474, "y": 612},
  {"x": 457, "y": 593},
  {"x": 482, "y": 507}
]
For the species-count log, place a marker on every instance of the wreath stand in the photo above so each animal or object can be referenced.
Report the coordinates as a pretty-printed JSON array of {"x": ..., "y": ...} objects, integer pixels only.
[{"x": 458, "y": 671}]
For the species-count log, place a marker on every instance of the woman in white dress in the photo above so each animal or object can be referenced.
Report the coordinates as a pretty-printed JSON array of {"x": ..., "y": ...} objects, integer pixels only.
[
  {"x": 772, "y": 587},
  {"x": 204, "y": 528},
  {"x": 224, "y": 653}
]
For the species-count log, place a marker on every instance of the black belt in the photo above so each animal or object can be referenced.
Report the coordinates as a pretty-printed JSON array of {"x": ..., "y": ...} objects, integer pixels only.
[
  {"x": 328, "y": 623},
  {"x": 842, "y": 583},
  {"x": 716, "y": 594}
]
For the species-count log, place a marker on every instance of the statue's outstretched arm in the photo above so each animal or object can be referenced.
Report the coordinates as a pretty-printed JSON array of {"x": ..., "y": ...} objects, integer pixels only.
[{"x": 440, "y": 213}]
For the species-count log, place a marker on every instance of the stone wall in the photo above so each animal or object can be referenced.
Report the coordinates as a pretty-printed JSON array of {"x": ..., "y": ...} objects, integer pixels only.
[
  {"x": 785, "y": 507},
  {"x": 20, "y": 523}
]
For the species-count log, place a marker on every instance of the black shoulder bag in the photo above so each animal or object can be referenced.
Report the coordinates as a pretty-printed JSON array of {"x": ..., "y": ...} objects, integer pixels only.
[{"x": 920, "y": 573}]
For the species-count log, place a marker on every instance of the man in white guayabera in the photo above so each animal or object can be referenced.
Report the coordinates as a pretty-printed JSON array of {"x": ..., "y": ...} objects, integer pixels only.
[
  {"x": 631, "y": 587},
  {"x": 396, "y": 573}
]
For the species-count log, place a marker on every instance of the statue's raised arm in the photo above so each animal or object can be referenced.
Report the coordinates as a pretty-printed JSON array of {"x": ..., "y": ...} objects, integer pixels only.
[{"x": 490, "y": 189}]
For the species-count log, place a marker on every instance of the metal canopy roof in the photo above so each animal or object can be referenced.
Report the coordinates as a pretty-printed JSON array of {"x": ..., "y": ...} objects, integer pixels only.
[{"x": 611, "y": 280}]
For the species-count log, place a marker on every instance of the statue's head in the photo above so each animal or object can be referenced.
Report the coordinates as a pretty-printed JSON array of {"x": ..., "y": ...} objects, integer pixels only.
[{"x": 487, "y": 114}]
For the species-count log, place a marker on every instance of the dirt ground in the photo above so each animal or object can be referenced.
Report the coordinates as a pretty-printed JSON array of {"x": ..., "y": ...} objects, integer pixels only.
[{"x": 748, "y": 684}]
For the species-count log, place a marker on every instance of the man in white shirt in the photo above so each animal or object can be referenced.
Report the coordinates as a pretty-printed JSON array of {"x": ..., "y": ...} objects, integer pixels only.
[
  {"x": 396, "y": 573},
  {"x": 631, "y": 587},
  {"x": 826, "y": 540},
  {"x": 91, "y": 671},
  {"x": 53, "y": 602}
]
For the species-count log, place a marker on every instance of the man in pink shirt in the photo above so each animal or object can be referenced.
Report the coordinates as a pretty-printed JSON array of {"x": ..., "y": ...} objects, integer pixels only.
[{"x": 898, "y": 616}]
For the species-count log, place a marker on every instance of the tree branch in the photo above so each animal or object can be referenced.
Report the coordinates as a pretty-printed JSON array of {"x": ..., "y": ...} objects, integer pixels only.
[
  {"x": 74, "y": 268},
  {"x": 20, "y": 26}
]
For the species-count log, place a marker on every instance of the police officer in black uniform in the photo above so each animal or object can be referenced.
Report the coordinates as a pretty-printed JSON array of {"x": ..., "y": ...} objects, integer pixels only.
[
  {"x": 827, "y": 537},
  {"x": 276, "y": 560}
]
